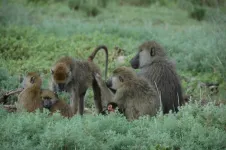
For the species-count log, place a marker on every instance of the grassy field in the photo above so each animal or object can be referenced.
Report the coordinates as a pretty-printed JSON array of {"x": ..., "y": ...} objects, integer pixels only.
[{"x": 35, "y": 35}]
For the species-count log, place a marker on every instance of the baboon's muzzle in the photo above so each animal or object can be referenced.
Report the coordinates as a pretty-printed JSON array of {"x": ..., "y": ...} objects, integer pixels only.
[
  {"x": 134, "y": 62},
  {"x": 109, "y": 85}
]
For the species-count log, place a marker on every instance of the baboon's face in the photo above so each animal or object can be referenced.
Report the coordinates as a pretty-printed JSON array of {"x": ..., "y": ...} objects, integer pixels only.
[
  {"x": 61, "y": 76},
  {"x": 31, "y": 79},
  {"x": 145, "y": 57},
  {"x": 142, "y": 58},
  {"x": 48, "y": 98},
  {"x": 115, "y": 82}
]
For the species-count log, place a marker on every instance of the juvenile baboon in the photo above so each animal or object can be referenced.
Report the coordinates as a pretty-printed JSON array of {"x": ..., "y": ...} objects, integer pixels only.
[
  {"x": 30, "y": 98},
  {"x": 76, "y": 77},
  {"x": 134, "y": 95},
  {"x": 53, "y": 103},
  {"x": 154, "y": 65}
]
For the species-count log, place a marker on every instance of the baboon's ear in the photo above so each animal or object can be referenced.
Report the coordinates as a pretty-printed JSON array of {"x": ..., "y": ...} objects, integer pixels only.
[
  {"x": 32, "y": 80},
  {"x": 152, "y": 53},
  {"x": 120, "y": 79}
]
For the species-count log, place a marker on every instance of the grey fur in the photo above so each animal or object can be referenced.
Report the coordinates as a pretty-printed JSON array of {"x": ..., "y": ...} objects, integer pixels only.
[{"x": 160, "y": 70}]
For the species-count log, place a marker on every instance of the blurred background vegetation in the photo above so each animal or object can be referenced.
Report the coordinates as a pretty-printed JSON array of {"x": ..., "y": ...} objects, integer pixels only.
[{"x": 35, "y": 33}]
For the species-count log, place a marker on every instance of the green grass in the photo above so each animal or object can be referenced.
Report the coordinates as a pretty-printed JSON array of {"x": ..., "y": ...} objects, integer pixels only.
[{"x": 34, "y": 36}]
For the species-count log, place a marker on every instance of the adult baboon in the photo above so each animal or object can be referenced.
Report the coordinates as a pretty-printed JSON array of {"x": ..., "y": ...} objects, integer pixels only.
[
  {"x": 53, "y": 103},
  {"x": 154, "y": 65},
  {"x": 134, "y": 95},
  {"x": 30, "y": 98},
  {"x": 75, "y": 77}
]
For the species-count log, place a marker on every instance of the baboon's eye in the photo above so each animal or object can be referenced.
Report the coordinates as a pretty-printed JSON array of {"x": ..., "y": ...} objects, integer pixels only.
[
  {"x": 152, "y": 53},
  {"x": 140, "y": 50},
  {"x": 46, "y": 98},
  {"x": 32, "y": 80},
  {"x": 120, "y": 79}
]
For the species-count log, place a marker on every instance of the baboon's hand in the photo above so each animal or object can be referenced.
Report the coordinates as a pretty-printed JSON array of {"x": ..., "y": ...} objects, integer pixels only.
[{"x": 99, "y": 79}]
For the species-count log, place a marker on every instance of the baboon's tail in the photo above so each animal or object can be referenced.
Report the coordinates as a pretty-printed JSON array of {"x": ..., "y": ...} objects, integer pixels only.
[{"x": 92, "y": 56}]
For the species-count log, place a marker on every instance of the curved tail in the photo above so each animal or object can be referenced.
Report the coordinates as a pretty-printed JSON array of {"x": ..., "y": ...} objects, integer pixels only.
[{"x": 92, "y": 56}]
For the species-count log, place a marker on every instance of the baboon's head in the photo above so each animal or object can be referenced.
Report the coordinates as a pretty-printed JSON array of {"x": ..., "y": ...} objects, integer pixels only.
[
  {"x": 148, "y": 51},
  {"x": 49, "y": 98},
  {"x": 32, "y": 79},
  {"x": 112, "y": 106},
  {"x": 61, "y": 75},
  {"x": 120, "y": 76}
]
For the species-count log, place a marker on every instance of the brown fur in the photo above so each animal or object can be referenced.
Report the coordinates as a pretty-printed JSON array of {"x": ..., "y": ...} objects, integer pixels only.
[
  {"x": 56, "y": 103},
  {"x": 29, "y": 99},
  {"x": 159, "y": 71},
  {"x": 76, "y": 77},
  {"x": 134, "y": 96}
]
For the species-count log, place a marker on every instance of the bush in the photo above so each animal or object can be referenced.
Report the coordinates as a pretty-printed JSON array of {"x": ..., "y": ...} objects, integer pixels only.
[
  {"x": 194, "y": 127},
  {"x": 210, "y": 3},
  {"x": 8, "y": 82},
  {"x": 91, "y": 8},
  {"x": 198, "y": 13}
]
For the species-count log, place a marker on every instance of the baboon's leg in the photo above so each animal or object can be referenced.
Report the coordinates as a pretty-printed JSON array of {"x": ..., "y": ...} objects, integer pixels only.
[
  {"x": 97, "y": 96},
  {"x": 81, "y": 103},
  {"x": 74, "y": 102}
]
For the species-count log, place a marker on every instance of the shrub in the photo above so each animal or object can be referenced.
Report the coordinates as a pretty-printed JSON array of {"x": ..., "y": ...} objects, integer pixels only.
[
  {"x": 210, "y": 3},
  {"x": 91, "y": 8},
  {"x": 194, "y": 127},
  {"x": 74, "y": 4},
  {"x": 198, "y": 13},
  {"x": 8, "y": 82}
]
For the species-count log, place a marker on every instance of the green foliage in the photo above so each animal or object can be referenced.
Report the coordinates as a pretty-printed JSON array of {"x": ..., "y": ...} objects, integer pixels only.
[
  {"x": 194, "y": 127},
  {"x": 7, "y": 82},
  {"x": 210, "y": 3},
  {"x": 198, "y": 13},
  {"x": 91, "y": 8}
]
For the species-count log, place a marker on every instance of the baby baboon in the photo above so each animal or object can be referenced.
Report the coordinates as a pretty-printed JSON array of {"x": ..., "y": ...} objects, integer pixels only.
[
  {"x": 30, "y": 98},
  {"x": 111, "y": 107},
  {"x": 159, "y": 71},
  {"x": 75, "y": 77},
  {"x": 53, "y": 103},
  {"x": 134, "y": 95}
]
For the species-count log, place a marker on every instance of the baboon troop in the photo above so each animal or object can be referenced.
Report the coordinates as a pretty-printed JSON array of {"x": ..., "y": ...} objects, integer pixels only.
[
  {"x": 134, "y": 95},
  {"x": 158, "y": 70},
  {"x": 75, "y": 77},
  {"x": 155, "y": 87}
]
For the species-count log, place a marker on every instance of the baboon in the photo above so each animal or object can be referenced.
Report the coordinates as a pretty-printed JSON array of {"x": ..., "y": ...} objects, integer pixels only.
[
  {"x": 53, "y": 103},
  {"x": 30, "y": 98},
  {"x": 111, "y": 107},
  {"x": 76, "y": 77},
  {"x": 134, "y": 95},
  {"x": 158, "y": 70}
]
